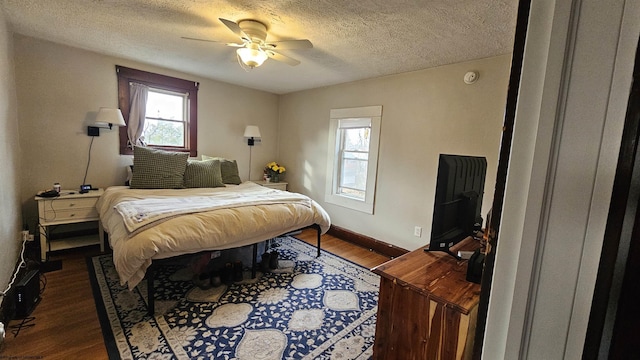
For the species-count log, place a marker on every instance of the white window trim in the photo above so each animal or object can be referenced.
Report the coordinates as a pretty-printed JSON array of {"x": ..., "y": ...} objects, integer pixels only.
[{"x": 375, "y": 114}]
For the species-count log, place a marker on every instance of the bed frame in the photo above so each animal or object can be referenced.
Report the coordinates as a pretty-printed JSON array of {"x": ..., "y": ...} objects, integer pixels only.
[{"x": 150, "y": 273}]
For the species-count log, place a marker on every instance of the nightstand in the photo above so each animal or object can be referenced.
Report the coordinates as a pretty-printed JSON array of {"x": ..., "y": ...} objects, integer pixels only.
[
  {"x": 279, "y": 185},
  {"x": 69, "y": 208}
]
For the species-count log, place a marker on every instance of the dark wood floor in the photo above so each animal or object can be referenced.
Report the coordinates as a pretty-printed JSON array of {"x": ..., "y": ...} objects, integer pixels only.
[{"x": 66, "y": 323}]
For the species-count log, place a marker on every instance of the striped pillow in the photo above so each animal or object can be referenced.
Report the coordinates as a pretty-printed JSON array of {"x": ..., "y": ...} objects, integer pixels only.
[
  {"x": 158, "y": 169},
  {"x": 228, "y": 168},
  {"x": 203, "y": 174}
]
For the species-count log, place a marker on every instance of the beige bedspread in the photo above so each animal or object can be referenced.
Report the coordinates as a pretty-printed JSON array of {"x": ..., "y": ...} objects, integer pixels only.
[{"x": 207, "y": 230}]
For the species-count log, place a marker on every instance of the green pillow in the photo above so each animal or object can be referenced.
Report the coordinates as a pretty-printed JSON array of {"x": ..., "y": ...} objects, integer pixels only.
[
  {"x": 203, "y": 174},
  {"x": 158, "y": 169},
  {"x": 228, "y": 169}
]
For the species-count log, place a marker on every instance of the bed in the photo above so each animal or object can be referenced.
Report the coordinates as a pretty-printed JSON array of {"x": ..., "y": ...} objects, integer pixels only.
[{"x": 146, "y": 225}]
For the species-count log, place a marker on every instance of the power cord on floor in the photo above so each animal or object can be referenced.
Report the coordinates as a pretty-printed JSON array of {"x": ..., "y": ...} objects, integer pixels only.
[
  {"x": 15, "y": 274},
  {"x": 43, "y": 283},
  {"x": 24, "y": 324}
]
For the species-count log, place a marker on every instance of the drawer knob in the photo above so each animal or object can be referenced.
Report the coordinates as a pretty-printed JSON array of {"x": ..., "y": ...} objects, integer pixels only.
[
  {"x": 72, "y": 215},
  {"x": 72, "y": 204}
]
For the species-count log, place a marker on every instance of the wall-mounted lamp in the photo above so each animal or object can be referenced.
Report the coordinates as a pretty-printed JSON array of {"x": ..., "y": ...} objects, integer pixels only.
[
  {"x": 106, "y": 119},
  {"x": 252, "y": 133}
]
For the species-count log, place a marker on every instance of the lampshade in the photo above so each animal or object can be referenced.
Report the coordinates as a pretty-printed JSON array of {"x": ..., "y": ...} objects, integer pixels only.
[
  {"x": 252, "y": 131},
  {"x": 252, "y": 56},
  {"x": 109, "y": 116}
]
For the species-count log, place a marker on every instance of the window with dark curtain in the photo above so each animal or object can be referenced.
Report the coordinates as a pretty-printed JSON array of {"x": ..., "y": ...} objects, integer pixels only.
[{"x": 187, "y": 125}]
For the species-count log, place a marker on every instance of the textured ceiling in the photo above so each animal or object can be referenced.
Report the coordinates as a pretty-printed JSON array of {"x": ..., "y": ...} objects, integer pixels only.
[{"x": 352, "y": 40}]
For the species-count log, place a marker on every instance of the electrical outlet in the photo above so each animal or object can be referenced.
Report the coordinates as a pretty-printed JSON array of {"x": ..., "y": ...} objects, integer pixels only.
[
  {"x": 26, "y": 236},
  {"x": 417, "y": 231}
]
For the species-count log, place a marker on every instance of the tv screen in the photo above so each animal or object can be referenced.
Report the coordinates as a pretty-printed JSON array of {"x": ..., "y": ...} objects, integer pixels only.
[{"x": 458, "y": 200}]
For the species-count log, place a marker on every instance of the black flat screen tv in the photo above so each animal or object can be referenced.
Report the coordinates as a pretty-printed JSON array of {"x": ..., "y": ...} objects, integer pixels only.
[{"x": 458, "y": 201}]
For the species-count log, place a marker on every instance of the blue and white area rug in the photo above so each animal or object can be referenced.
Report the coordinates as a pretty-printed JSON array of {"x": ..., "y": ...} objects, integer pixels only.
[{"x": 323, "y": 308}]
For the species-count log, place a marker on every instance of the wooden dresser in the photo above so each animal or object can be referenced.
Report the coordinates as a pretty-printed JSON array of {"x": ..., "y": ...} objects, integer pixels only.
[{"x": 426, "y": 310}]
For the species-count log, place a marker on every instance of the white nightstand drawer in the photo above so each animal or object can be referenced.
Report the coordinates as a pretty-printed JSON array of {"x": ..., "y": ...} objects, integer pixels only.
[
  {"x": 70, "y": 214},
  {"x": 278, "y": 186},
  {"x": 64, "y": 204}
]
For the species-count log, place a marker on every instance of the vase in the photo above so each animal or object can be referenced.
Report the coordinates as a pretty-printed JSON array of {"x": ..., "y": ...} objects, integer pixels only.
[{"x": 275, "y": 178}]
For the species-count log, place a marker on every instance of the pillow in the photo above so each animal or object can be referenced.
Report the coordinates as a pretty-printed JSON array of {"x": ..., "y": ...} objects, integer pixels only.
[
  {"x": 203, "y": 174},
  {"x": 228, "y": 169},
  {"x": 158, "y": 169}
]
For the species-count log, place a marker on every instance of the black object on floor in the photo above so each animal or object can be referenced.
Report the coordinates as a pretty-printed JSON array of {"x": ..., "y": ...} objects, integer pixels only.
[
  {"x": 264, "y": 264},
  {"x": 273, "y": 260},
  {"x": 227, "y": 273},
  {"x": 51, "y": 265},
  {"x": 237, "y": 271},
  {"x": 27, "y": 294},
  {"x": 216, "y": 280}
]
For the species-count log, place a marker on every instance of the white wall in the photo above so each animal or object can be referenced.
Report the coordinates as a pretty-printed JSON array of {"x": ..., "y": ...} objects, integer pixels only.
[
  {"x": 424, "y": 113},
  {"x": 59, "y": 89},
  {"x": 575, "y": 86},
  {"x": 10, "y": 214}
]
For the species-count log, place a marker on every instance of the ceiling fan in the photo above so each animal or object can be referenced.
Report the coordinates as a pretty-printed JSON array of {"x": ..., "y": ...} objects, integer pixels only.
[{"x": 255, "y": 49}]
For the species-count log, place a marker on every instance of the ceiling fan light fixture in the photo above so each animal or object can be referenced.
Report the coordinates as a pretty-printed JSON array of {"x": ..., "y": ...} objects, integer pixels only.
[{"x": 252, "y": 57}]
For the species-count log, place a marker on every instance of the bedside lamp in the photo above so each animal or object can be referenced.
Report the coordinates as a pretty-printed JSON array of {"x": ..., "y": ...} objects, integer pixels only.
[
  {"x": 252, "y": 133},
  {"x": 106, "y": 118}
]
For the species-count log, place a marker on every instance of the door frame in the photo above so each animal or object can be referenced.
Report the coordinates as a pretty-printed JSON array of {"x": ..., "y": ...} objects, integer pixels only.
[
  {"x": 565, "y": 42},
  {"x": 613, "y": 325}
]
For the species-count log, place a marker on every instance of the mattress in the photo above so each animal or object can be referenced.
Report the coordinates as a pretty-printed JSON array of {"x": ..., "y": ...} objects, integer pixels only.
[{"x": 218, "y": 229}]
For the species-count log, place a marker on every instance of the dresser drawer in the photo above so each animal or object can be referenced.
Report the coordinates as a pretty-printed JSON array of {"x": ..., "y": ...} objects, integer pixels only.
[
  {"x": 70, "y": 214},
  {"x": 67, "y": 204}
]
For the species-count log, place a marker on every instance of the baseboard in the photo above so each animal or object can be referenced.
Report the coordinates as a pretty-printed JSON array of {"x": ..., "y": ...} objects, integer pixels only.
[{"x": 370, "y": 243}]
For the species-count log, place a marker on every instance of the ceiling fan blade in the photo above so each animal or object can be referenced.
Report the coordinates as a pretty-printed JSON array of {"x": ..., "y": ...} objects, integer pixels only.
[
  {"x": 279, "y": 57},
  {"x": 196, "y": 39},
  {"x": 290, "y": 44},
  {"x": 235, "y": 45},
  {"x": 233, "y": 27}
]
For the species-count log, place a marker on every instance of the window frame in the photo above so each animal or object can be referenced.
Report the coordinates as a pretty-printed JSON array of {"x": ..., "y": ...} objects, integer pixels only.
[
  {"x": 334, "y": 159},
  {"x": 342, "y": 152},
  {"x": 185, "y": 115},
  {"x": 163, "y": 82}
]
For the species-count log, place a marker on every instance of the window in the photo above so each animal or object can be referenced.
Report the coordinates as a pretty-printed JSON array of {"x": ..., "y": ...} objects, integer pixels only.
[
  {"x": 353, "y": 137},
  {"x": 166, "y": 118},
  {"x": 353, "y": 157},
  {"x": 171, "y": 119}
]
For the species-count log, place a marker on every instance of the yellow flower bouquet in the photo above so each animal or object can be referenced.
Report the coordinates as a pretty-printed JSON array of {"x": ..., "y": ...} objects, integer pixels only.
[{"x": 274, "y": 171}]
